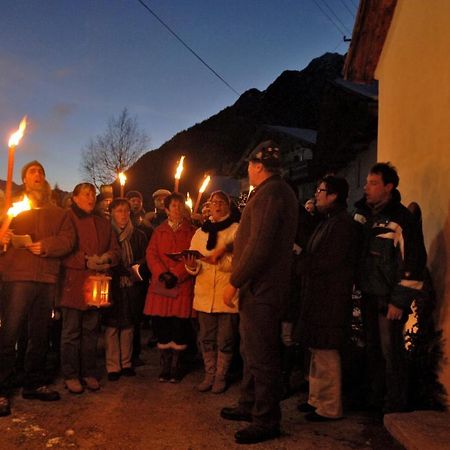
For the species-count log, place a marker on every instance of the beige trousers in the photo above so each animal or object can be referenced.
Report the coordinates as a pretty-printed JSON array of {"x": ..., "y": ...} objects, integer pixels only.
[
  {"x": 325, "y": 383},
  {"x": 119, "y": 348}
]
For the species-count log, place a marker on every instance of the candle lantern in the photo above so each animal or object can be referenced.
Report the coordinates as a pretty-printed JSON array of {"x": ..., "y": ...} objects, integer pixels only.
[{"x": 97, "y": 290}]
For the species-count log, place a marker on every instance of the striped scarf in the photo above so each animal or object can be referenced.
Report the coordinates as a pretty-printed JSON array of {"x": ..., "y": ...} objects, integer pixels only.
[{"x": 124, "y": 236}]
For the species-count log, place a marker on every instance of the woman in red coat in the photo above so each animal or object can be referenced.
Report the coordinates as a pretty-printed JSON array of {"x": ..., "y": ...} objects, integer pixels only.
[{"x": 170, "y": 295}]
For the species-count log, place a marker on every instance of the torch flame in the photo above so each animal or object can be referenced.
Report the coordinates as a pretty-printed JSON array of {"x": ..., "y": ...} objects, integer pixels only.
[
  {"x": 189, "y": 201},
  {"x": 205, "y": 184},
  {"x": 19, "y": 207},
  {"x": 17, "y": 136},
  {"x": 179, "y": 168},
  {"x": 122, "y": 178}
]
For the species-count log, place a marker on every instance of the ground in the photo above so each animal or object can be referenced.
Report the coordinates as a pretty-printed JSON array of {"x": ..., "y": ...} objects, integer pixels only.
[{"x": 142, "y": 413}]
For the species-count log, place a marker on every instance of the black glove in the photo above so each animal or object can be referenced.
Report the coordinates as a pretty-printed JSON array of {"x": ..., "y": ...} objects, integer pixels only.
[{"x": 169, "y": 279}]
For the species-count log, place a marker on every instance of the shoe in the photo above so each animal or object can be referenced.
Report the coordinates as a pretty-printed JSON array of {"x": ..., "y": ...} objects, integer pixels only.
[
  {"x": 235, "y": 413},
  {"x": 305, "y": 407},
  {"x": 255, "y": 433},
  {"x": 113, "y": 376},
  {"x": 5, "y": 407},
  {"x": 91, "y": 383},
  {"x": 177, "y": 375},
  {"x": 206, "y": 384},
  {"x": 128, "y": 372},
  {"x": 43, "y": 393},
  {"x": 314, "y": 417},
  {"x": 74, "y": 386}
]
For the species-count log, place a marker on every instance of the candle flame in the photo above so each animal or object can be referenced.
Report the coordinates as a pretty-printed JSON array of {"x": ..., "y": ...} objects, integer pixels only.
[
  {"x": 17, "y": 136},
  {"x": 122, "y": 178},
  {"x": 250, "y": 189},
  {"x": 189, "y": 201},
  {"x": 179, "y": 168},
  {"x": 205, "y": 184},
  {"x": 19, "y": 207}
]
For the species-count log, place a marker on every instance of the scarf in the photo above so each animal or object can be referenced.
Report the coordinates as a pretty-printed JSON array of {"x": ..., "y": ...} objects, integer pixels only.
[
  {"x": 124, "y": 236},
  {"x": 79, "y": 212},
  {"x": 212, "y": 228}
]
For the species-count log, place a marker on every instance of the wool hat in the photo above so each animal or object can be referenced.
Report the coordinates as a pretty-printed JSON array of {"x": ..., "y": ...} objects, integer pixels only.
[
  {"x": 267, "y": 153},
  {"x": 30, "y": 164},
  {"x": 131, "y": 194},
  {"x": 159, "y": 192}
]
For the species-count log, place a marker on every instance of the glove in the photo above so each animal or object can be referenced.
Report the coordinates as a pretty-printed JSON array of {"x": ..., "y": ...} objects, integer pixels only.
[
  {"x": 169, "y": 279},
  {"x": 95, "y": 262},
  {"x": 105, "y": 258}
]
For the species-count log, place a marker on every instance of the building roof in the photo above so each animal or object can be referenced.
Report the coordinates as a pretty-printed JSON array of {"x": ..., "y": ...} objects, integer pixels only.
[
  {"x": 366, "y": 90},
  {"x": 304, "y": 134},
  {"x": 369, "y": 33}
]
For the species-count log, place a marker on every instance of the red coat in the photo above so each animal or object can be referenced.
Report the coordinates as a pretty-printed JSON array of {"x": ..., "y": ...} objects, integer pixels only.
[
  {"x": 165, "y": 240},
  {"x": 94, "y": 236}
]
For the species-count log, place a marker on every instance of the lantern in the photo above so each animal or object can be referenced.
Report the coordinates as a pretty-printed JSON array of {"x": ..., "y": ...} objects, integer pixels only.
[{"x": 97, "y": 290}]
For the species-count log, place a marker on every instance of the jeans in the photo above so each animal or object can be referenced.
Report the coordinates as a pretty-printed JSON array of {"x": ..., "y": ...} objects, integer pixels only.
[{"x": 25, "y": 303}]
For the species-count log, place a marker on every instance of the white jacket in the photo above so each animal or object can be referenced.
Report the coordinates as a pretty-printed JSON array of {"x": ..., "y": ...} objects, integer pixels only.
[{"x": 212, "y": 278}]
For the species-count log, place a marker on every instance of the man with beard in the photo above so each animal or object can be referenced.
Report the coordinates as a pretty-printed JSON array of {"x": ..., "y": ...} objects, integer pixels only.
[{"x": 30, "y": 275}]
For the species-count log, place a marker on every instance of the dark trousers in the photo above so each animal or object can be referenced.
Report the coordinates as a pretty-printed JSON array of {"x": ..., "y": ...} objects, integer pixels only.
[
  {"x": 79, "y": 337},
  {"x": 25, "y": 303},
  {"x": 387, "y": 369},
  {"x": 261, "y": 387},
  {"x": 218, "y": 331}
]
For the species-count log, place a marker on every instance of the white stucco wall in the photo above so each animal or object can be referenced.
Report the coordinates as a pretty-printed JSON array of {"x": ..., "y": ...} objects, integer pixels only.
[{"x": 414, "y": 129}]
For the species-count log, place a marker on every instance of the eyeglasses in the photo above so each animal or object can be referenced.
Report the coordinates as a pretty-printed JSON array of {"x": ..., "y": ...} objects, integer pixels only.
[{"x": 319, "y": 190}]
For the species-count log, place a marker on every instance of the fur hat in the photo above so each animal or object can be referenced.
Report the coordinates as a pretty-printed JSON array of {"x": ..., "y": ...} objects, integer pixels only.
[
  {"x": 267, "y": 153},
  {"x": 30, "y": 164}
]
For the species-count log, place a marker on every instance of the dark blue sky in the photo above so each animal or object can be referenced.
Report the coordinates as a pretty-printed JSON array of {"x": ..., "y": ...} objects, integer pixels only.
[{"x": 72, "y": 64}]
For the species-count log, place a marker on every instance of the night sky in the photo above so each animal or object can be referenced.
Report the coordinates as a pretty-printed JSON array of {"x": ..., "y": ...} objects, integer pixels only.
[{"x": 72, "y": 64}]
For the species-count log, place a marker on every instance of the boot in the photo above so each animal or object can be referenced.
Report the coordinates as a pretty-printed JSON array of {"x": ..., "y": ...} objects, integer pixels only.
[
  {"x": 177, "y": 372},
  {"x": 287, "y": 364},
  {"x": 220, "y": 380},
  {"x": 166, "y": 364},
  {"x": 209, "y": 359}
]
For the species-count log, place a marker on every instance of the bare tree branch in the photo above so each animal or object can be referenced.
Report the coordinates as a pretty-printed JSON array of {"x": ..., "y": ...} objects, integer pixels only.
[{"x": 114, "y": 151}]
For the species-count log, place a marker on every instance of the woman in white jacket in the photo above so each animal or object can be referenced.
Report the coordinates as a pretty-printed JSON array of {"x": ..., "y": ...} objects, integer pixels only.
[{"x": 218, "y": 322}]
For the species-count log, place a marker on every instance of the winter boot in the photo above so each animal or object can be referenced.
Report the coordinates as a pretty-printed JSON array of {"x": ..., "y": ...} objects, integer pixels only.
[
  {"x": 287, "y": 365},
  {"x": 220, "y": 380},
  {"x": 178, "y": 371},
  {"x": 166, "y": 364},
  {"x": 209, "y": 359}
]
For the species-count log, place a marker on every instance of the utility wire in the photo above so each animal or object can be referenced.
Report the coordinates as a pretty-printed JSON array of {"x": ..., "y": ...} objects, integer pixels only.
[
  {"x": 187, "y": 46},
  {"x": 348, "y": 9},
  {"x": 336, "y": 16},
  {"x": 329, "y": 18}
]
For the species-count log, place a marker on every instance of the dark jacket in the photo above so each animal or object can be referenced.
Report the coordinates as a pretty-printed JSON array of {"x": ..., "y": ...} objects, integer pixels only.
[
  {"x": 50, "y": 225},
  {"x": 128, "y": 302},
  {"x": 328, "y": 267},
  {"x": 94, "y": 236},
  {"x": 393, "y": 256},
  {"x": 262, "y": 257}
]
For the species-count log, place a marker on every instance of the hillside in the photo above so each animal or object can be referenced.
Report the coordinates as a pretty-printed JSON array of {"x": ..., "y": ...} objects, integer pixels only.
[{"x": 217, "y": 143}]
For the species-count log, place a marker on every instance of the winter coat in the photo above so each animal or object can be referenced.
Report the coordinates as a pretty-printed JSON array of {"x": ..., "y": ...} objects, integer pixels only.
[
  {"x": 94, "y": 236},
  {"x": 328, "y": 267},
  {"x": 393, "y": 256},
  {"x": 49, "y": 225},
  {"x": 127, "y": 301},
  {"x": 166, "y": 240},
  {"x": 262, "y": 257},
  {"x": 212, "y": 278}
]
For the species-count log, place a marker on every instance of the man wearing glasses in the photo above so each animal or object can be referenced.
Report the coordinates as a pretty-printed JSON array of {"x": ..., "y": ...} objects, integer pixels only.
[{"x": 262, "y": 262}]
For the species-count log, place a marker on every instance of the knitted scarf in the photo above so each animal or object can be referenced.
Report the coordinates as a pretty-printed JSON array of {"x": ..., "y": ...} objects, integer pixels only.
[
  {"x": 212, "y": 228},
  {"x": 124, "y": 236}
]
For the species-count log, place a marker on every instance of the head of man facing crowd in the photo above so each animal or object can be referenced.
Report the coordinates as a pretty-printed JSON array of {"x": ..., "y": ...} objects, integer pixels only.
[
  {"x": 36, "y": 186},
  {"x": 263, "y": 162},
  {"x": 136, "y": 201},
  {"x": 159, "y": 197},
  {"x": 83, "y": 196},
  {"x": 331, "y": 192},
  {"x": 381, "y": 182}
]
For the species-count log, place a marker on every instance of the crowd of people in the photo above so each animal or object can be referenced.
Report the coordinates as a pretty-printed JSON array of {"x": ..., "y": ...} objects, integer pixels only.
[{"x": 278, "y": 277}]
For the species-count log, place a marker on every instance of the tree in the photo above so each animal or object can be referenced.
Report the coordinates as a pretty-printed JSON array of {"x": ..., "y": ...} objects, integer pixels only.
[{"x": 114, "y": 151}]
